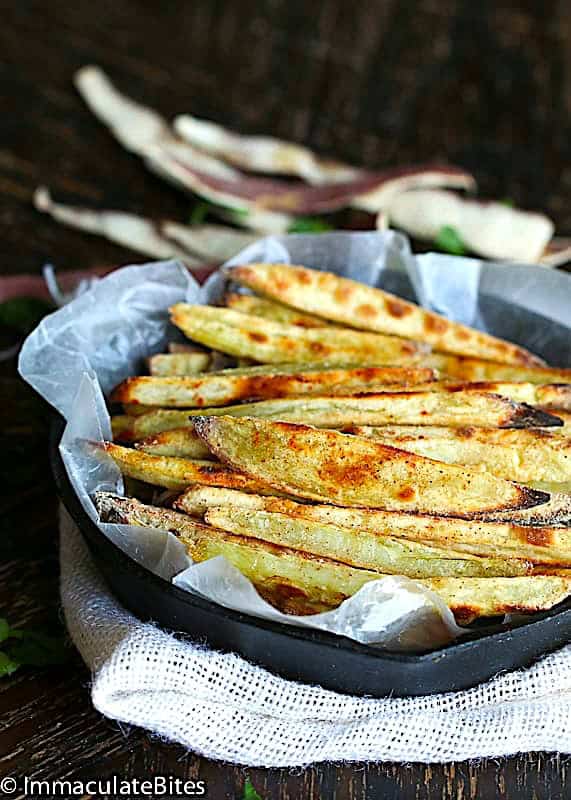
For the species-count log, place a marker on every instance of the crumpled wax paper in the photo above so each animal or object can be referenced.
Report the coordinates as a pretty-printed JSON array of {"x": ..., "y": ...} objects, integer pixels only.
[{"x": 79, "y": 353}]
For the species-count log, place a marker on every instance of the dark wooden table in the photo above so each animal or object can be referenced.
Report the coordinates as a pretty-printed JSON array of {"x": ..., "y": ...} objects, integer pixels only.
[{"x": 487, "y": 85}]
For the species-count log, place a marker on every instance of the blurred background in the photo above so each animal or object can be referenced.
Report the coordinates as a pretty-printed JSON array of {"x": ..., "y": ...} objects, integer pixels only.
[{"x": 483, "y": 85}]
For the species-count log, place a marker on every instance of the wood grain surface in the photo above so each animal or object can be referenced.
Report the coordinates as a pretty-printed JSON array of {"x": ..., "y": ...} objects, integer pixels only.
[{"x": 486, "y": 85}]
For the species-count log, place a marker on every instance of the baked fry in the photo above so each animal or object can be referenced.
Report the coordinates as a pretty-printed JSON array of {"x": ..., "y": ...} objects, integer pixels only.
[
  {"x": 165, "y": 364},
  {"x": 541, "y": 545},
  {"x": 355, "y": 471},
  {"x": 230, "y": 386},
  {"x": 180, "y": 442},
  {"x": 269, "y": 309},
  {"x": 360, "y": 548},
  {"x": 179, "y": 473},
  {"x": 547, "y": 396},
  {"x": 243, "y": 335},
  {"x": 524, "y": 456},
  {"x": 364, "y": 307},
  {"x": 475, "y": 369},
  {"x": 456, "y": 409}
]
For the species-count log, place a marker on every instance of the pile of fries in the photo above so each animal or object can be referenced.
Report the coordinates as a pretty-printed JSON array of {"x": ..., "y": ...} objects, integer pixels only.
[{"x": 321, "y": 433}]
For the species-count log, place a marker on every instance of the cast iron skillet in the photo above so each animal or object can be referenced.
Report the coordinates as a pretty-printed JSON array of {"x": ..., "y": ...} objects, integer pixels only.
[{"x": 308, "y": 655}]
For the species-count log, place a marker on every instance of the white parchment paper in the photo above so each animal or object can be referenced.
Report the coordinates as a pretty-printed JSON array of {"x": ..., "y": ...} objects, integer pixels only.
[{"x": 80, "y": 352}]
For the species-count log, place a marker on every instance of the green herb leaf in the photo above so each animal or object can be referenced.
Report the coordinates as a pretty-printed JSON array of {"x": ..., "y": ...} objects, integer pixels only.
[
  {"x": 7, "y": 665},
  {"x": 507, "y": 201},
  {"x": 6, "y": 632},
  {"x": 203, "y": 208},
  {"x": 4, "y": 629},
  {"x": 23, "y": 313},
  {"x": 309, "y": 225},
  {"x": 249, "y": 792},
  {"x": 449, "y": 241},
  {"x": 38, "y": 649}
]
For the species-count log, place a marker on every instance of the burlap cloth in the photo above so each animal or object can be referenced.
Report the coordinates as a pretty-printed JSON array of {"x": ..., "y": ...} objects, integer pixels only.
[{"x": 225, "y": 708}]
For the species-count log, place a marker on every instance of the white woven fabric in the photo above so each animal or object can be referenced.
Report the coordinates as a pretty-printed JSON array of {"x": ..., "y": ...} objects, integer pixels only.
[{"x": 223, "y": 707}]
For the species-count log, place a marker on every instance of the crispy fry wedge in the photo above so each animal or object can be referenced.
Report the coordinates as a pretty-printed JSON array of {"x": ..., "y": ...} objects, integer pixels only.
[
  {"x": 135, "y": 428},
  {"x": 509, "y": 437},
  {"x": 165, "y": 364},
  {"x": 470, "y": 598},
  {"x": 547, "y": 396},
  {"x": 320, "y": 583},
  {"x": 179, "y": 473},
  {"x": 366, "y": 308},
  {"x": 243, "y": 335},
  {"x": 355, "y": 471},
  {"x": 179, "y": 442},
  {"x": 523, "y": 456},
  {"x": 493, "y": 540},
  {"x": 457, "y": 409},
  {"x": 475, "y": 369},
  {"x": 222, "y": 388},
  {"x": 360, "y": 548},
  {"x": 196, "y": 500},
  {"x": 276, "y": 312}
]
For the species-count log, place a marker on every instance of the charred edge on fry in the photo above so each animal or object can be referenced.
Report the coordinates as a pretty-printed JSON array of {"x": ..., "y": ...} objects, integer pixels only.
[{"x": 526, "y": 416}]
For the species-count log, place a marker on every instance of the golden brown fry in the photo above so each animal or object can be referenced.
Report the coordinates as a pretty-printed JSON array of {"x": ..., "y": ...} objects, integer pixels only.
[
  {"x": 475, "y": 369},
  {"x": 361, "y": 548},
  {"x": 364, "y": 307},
  {"x": 547, "y": 396},
  {"x": 163, "y": 364},
  {"x": 457, "y": 409},
  {"x": 222, "y": 388},
  {"x": 319, "y": 583},
  {"x": 524, "y": 456},
  {"x": 179, "y": 473},
  {"x": 243, "y": 335},
  {"x": 355, "y": 471},
  {"x": 180, "y": 442},
  {"x": 541, "y": 545},
  {"x": 470, "y": 598},
  {"x": 131, "y": 429},
  {"x": 276, "y": 312}
]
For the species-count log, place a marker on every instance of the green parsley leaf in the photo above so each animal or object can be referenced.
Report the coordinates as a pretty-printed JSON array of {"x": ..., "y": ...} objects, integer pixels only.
[
  {"x": 249, "y": 792},
  {"x": 309, "y": 225},
  {"x": 23, "y": 313},
  {"x": 6, "y": 632},
  {"x": 7, "y": 665},
  {"x": 507, "y": 201},
  {"x": 449, "y": 241},
  {"x": 38, "y": 649}
]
